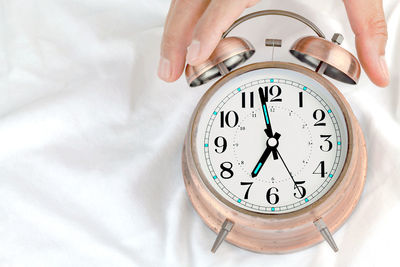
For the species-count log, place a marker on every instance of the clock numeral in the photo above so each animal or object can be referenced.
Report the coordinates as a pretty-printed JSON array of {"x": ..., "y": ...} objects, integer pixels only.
[
  {"x": 321, "y": 167},
  {"x": 226, "y": 172},
  {"x": 231, "y": 119},
  {"x": 278, "y": 93},
  {"x": 275, "y": 91},
  {"x": 246, "y": 195},
  {"x": 272, "y": 197},
  {"x": 330, "y": 145},
  {"x": 251, "y": 104},
  {"x": 319, "y": 115},
  {"x": 301, "y": 191},
  {"x": 217, "y": 143},
  {"x": 300, "y": 99}
]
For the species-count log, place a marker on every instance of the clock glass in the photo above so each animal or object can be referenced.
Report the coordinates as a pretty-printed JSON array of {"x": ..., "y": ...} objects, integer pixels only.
[{"x": 271, "y": 140}]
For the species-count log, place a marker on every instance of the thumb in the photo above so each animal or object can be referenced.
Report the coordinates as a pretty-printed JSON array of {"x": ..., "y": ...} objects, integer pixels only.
[{"x": 369, "y": 26}]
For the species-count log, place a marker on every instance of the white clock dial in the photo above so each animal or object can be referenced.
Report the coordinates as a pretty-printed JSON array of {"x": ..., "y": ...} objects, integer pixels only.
[{"x": 271, "y": 141}]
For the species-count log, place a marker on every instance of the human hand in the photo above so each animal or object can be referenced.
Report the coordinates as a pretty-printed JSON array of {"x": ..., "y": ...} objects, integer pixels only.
[{"x": 194, "y": 27}]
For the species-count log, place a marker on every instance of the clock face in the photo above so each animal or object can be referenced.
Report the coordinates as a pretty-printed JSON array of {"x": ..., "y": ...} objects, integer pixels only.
[{"x": 271, "y": 140}]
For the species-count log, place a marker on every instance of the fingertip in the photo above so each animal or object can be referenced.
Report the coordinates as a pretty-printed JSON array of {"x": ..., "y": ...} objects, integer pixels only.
[
  {"x": 168, "y": 71},
  {"x": 372, "y": 58},
  {"x": 182, "y": 18},
  {"x": 193, "y": 52},
  {"x": 384, "y": 77},
  {"x": 172, "y": 59},
  {"x": 379, "y": 81},
  {"x": 377, "y": 72},
  {"x": 199, "y": 51},
  {"x": 164, "y": 69},
  {"x": 202, "y": 46},
  {"x": 219, "y": 15}
]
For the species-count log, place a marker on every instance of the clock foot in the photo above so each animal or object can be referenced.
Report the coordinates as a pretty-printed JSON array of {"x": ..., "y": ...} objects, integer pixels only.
[
  {"x": 225, "y": 229},
  {"x": 323, "y": 229}
]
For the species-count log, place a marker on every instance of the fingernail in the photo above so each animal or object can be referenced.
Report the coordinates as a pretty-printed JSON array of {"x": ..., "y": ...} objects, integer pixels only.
[
  {"x": 193, "y": 51},
  {"x": 384, "y": 68},
  {"x": 164, "y": 69}
]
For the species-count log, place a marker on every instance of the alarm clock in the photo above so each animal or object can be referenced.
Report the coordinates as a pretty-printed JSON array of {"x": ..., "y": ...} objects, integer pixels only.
[{"x": 274, "y": 159}]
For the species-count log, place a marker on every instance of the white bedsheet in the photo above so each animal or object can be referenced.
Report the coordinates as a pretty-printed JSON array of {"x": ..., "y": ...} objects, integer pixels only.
[{"x": 90, "y": 140}]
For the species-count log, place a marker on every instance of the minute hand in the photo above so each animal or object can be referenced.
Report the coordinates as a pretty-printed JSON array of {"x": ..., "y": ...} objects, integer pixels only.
[{"x": 264, "y": 107}]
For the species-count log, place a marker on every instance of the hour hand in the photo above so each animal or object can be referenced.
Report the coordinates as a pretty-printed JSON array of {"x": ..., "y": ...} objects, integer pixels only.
[{"x": 261, "y": 162}]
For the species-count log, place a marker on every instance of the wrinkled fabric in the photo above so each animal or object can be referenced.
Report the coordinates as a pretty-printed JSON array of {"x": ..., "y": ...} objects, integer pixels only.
[{"x": 91, "y": 139}]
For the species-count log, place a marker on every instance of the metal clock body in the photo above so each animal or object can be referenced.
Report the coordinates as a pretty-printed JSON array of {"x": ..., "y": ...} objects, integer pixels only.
[
  {"x": 272, "y": 227},
  {"x": 274, "y": 159}
]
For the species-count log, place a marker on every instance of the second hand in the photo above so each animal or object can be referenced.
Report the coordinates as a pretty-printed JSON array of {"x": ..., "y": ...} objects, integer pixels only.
[{"x": 279, "y": 154}]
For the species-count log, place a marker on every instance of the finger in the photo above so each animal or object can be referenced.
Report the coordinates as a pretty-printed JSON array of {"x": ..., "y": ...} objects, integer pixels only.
[
  {"x": 164, "y": 69},
  {"x": 220, "y": 14},
  {"x": 182, "y": 18},
  {"x": 171, "y": 8},
  {"x": 368, "y": 23}
]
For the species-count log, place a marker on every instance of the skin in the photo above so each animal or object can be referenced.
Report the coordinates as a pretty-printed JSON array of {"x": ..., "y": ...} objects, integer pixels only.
[{"x": 193, "y": 29}]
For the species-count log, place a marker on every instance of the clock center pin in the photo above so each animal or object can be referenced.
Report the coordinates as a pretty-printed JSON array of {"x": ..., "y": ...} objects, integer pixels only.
[{"x": 272, "y": 142}]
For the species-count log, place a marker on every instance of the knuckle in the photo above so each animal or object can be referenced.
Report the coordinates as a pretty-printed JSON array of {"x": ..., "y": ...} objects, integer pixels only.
[
  {"x": 377, "y": 26},
  {"x": 169, "y": 44},
  {"x": 169, "y": 40}
]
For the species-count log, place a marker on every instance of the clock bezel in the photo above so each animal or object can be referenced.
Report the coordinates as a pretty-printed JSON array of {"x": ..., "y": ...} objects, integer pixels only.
[{"x": 265, "y": 65}]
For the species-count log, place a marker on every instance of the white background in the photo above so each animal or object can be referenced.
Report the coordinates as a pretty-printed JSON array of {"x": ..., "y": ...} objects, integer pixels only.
[{"x": 90, "y": 140}]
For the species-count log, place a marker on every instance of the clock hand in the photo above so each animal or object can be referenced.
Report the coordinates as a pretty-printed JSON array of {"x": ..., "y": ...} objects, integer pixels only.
[
  {"x": 291, "y": 176},
  {"x": 272, "y": 144},
  {"x": 261, "y": 162},
  {"x": 264, "y": 107}
]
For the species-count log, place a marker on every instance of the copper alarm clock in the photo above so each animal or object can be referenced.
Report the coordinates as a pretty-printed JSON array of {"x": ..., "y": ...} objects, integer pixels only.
[{"x": 274, "y": 159}]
